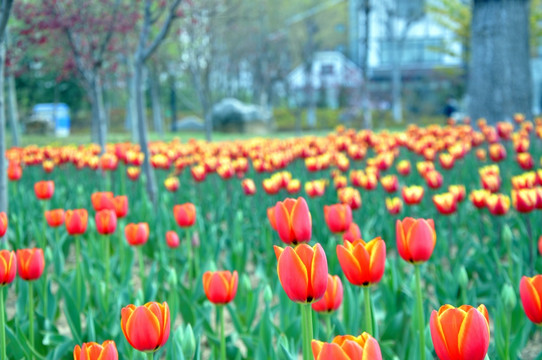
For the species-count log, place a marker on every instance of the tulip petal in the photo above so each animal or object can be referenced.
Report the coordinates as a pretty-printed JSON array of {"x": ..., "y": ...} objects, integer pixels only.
[
  {"x": 437, "y": 335},
  {"x": 319, "y": 273},
  {"x": 301, "y": 220},
  {"x": 371, "y": 350},
  {"x": 473, "y": 338},
  {"x": 293, "y": 275},
  {"x": 451, "y": 321},
  {"x": 531, "y": 300},
  {"x": 353, "y": 350},
  {"x": 350, "y": 265},
  {"x": 420, "y": 240},
  {"x": 333, "y": 351}
]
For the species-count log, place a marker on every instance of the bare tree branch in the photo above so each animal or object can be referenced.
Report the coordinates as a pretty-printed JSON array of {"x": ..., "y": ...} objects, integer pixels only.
[
  {"x": 6, "y": 10},
  {"x": 108, "y": 36},
  {"x": 163, "y": 31}
]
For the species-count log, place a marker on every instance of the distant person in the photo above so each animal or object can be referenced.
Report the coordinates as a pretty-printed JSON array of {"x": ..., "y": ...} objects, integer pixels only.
[{"x": 451, "y": 108}]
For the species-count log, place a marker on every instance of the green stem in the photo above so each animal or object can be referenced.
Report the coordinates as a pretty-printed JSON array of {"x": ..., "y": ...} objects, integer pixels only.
[
  {"x": 150, "y": 356},
  {"x": 220, "y": 310},
  {"x": 306, "y": 318},
  {"x": 421, "y": 321},
  {"x": 107, "y": 260},
  {"x": 3, "y": 354},
  {"x": 368, "y": 314},
  {"x": 78, "y": 277},
  {"x": 44, "y": 225},
  {"x": 328, "y": 326},
  {"x": 141, "y": 266},
  {"x": 31, "y": 315}
]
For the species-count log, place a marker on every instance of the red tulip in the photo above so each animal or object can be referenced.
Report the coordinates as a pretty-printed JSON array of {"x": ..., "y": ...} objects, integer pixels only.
[
  {"x": 14, "y": 171},
  {"x": 30, "y": 263},
  {"x": 347, "y": 347},
  {"x": 524, "y": 200},
  {"x": 353, "y": 233},
  {"x": 333, "y": 296},
  {"x": 302, "y": 272},
  {"x": 416, "y": 239},
  {"x": 338, "y": 217},
  {"x": 76, "y": 221},
  {"x": 530, "y": 291},
  {"x": 433, "y": 179},
  {"x": 498, "y": 204},
  {"x": 293, "y": 186},
  {"x": 106, "y": 222},
  {"x": 121, "y": 206},
  {"x": 3, "y": 223},
  {"x": 185, "y": 214},
  {"x": 249, "y": 188},
  {"x": 479, "y": 198},
  {"x": 102, "y": 200},
  {"x": 445, "y": 203},
  {"x": 389, "y": 183},
  {"x": 172, "y": 184},
  {"x": 293, "y": 221},
  {"x": 55, "y": 218},
  {"x": 350, "y": 196},
  {"x": 137, "y": 234},
  {"x": 95, "y": 351},
  {"x": 198, "y": 173},
  {"x": 460, "y": 333},
  {"x": 44, "y": 189},
  {"x": 363, "y": 263},
  {"x": 403, "y": 167},
  {"x": 394, "y": 205},
  {"x": 8, "y": 267},
  {"x": 525, "y": 160},
  {"x": 497, "y": 152},
  {"x": 220, "y": 286},
  {"x": 172, "y": 239},
  {"x": 458, "y": 191},
  {"x": 133, "y": 172},
  {"x": 146, "y": 327},
  {"x": 412, "y": 195}
]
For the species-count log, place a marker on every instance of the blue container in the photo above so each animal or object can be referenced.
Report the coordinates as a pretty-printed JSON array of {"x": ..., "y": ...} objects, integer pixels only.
[{"x": 57, "y": 114}]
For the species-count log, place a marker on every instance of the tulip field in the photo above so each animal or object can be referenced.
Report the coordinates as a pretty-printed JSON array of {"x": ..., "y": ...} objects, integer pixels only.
[{"x": 412, "y": 245}]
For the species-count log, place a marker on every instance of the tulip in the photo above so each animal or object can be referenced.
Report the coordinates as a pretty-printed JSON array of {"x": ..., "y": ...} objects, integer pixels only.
[
  {"x": 353, "y": 233},
  {"x": 460, "y": 333},
  {"x": 76, "y": 221},
  {"x": 30, "y": 263},
  {"x": 271, "y": 186},
  {"x": 133, "y": 172},
  {"x": 479, "y": 198},
  {"x": 348, "y": 347},
  {"x": 121, "y": 206},
  {"x": 497, "y": 152},
  {"x": 340, "y": 182},
  {"x": 498, "y": 204},
  {"x": 412, "y": 195},
  {"x": 338, "y": 217},
  {"x": 102, "y": 200},
  {"x": 8, "y": 270},
  {"x": 198, "y": 173},
  {"x": 350, "y": 197},
  {"x": 220, "y": 286},
  {"x": 525, "y": 160},
  {"x": 524, "y": 200},
  {"x": 315, "y": 188},
  {"x": 446, "y": 161},
  {"x": 433, "y": 179},
  {"x": 446, "y": 203},
  {"x": 172, "y": 184},
  {"x": 458, "y": 192},
  {"x": 369, "y": 182},
  {"x": 293, "y": 186},
  {"x": 394, "y": 205},
  {"x": 44, "y": 189},
  {"x": 293, "y": 221},
  {"x": 106, "y": 222},
  {"x": 363, "y": 263},
  {"x": 403, "y": 167},
  {"x": 271, "y": 217},
  {"x": 3, "y": 223},
  {"x": 249, "y": 188},
  {"x": 333, "y": 297},
  {"x": 389, "y": 183},
  {"x": 14, "y": 171},
  {"x": 95, "y": 351},
  {"x": 55, "y": 218},
  {"x": 185, "y": 214},
  {"x": 491, "y": 182},
  {"x": 172, "y": 239},
  {"x": 530, "y": 291},
  {"x": 136, "y": 234},
  {"x": 416, "y": 239},
  {"x": 146, "y": 328}
]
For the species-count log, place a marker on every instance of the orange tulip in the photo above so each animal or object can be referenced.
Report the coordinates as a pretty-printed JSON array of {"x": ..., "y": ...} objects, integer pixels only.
[
  {"x": 76, "y": 221},
  {"x": 403, "y": 167},
  {"x": 445, "y": 203},
  {"x": 133, "y": 172},
  {"x": 249, "y": 188},
  {"x": 102, "y": 200},
  {"x": 8, "y": 267},
  {"x": 394, "y": 205},
  {"x": 524, "y": 200},
  {"x": 95, "y": 351},
  {"x": 460, "y": 333},
  {"x": 293, "y": 221},
  {"x": 498, "y": 204},
  {"x": 347, "y": 347},
  {"x": 55, "y": 218},
  {"x": 106, "y": 222},
  {"x": 220, "y": 286},
  {"x": 412, "y": 195},
  {"x": 146, "y": 327},
  {"x": 185, "y": 214},
  {"x": 353, "y": 233},
  {"x": 198, "y": 173},
  {"x": 333, "y": 296},
  {"x": 14, "y": 171},
  {"x": 525, "y": 160},
  {"x": 497, "y": 152},
  {"x": 530, "y": 291},
  {"x": 338, "y": 217},
  {"x": 433, "y": 179},
  {"x": 271, "y": 217},
  {"x": 172, "y": 239},
  {"x": 30, "y": 263},
  {"x": 137, "y": 234},
  {"x": 3, "y": 223},
  {"x": 302, "y": 272},
  {"x": 363, "y": 263},
  {"x": 172, "y": 184},
  {"x": 121, "y": 206},
  {"x": 416, "y": 239},
  {"x": 446, "y": 161},
  {"x": 44, "y": 189}
]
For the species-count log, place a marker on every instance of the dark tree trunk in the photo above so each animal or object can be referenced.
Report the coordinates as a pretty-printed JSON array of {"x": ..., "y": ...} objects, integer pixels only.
[
  {"x": 173, "y": 103},
  {"x": 155, "y": 101},
  {"x": 365, "y": 102},
  {"x": 13, "y": 111},
  {"x": 499, "y": 73},
  {"x": 98, "y": 113}
]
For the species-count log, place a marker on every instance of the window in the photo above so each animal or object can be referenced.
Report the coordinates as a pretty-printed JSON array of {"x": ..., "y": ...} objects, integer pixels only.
[
  {"x": 327, "y": 69},
  {"x": 415, "y": 51}
]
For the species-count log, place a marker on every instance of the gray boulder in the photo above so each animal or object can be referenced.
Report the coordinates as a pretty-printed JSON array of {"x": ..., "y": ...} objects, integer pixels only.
[
  {"x": 232, "y": 115},
  {"x": 189, "y": 123}
]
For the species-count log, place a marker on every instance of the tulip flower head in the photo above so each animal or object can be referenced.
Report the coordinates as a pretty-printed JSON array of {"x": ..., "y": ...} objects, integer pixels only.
[
  {"x": 498, "y": 204},
  {"x": 348, "y": 347},
  {"x": 172, "y": 184},
  {"x": 121, "y": 206},
  {"x": 412, "y": 195},
  {"x": 137, "y": 234},
  {"x": 8, "y": 267},
  {"x": 333, "y": 296},
  {"x": 55, "y": 218},
  {"x": 76, "y": 221},
  {"x": 394, "y": 205},
  {"x": 416, "y": 239},
  {"x": 479, "y": 198},
  {"x": 353, "y": 233},
  {"x": 524, "y": 200},
  {"x": 172, "y": 239},
  {"x": 249, "y": 188},
  {"x": 146, "y": 327},
  {"x": 102, "y": 200},
  {"x": 302, "y": 272},
  {"x": 44, "y": 189},
  {"x": 460, "y": 333},
  {"x": 530, "y": 291},
  {"x": 106, "y": 221},
  {"x": 30, "y": 263},
  {"x": 95, "y": 351},
  {"x": 293, "y": 221},
  {"x": 220, "y": 286},
  {"x": 185, "y": 214},
  {"x": 3, "y": 223},
  {"x": 363, "y": 263},
  {"x": 446, "y": 203},
  {"x": 338, "y": 217}
]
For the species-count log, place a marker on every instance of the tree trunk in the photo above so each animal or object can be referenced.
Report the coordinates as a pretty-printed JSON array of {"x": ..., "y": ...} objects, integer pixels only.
[
  {"x": 13, "y": 111},
  {"x": 143, "y": 132},
  {"x": 98, "y": 113},
  {"x": 173, "y": 103},
  {"x": 365, "y": 102},
  {"x": 499, "y": 74},
  {"x": 3, "y": 160},
  {"x": 155, "y": 102},
  {"x": 396, "y": 107},
  {"x": 131, "y": 104}
]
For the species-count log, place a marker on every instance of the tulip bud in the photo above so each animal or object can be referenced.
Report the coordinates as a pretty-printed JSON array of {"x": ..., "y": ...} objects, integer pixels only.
[
  {"x": 268, "y": 294},
  {"x": 245, "y": 283},
  {"x": 188, "y": 341},
  {"x": 463, "y": 277},
  {"x": 507, "y": 235},
  {"x": 509, "y": 297},
  {"x": 172, "y": 277}
]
